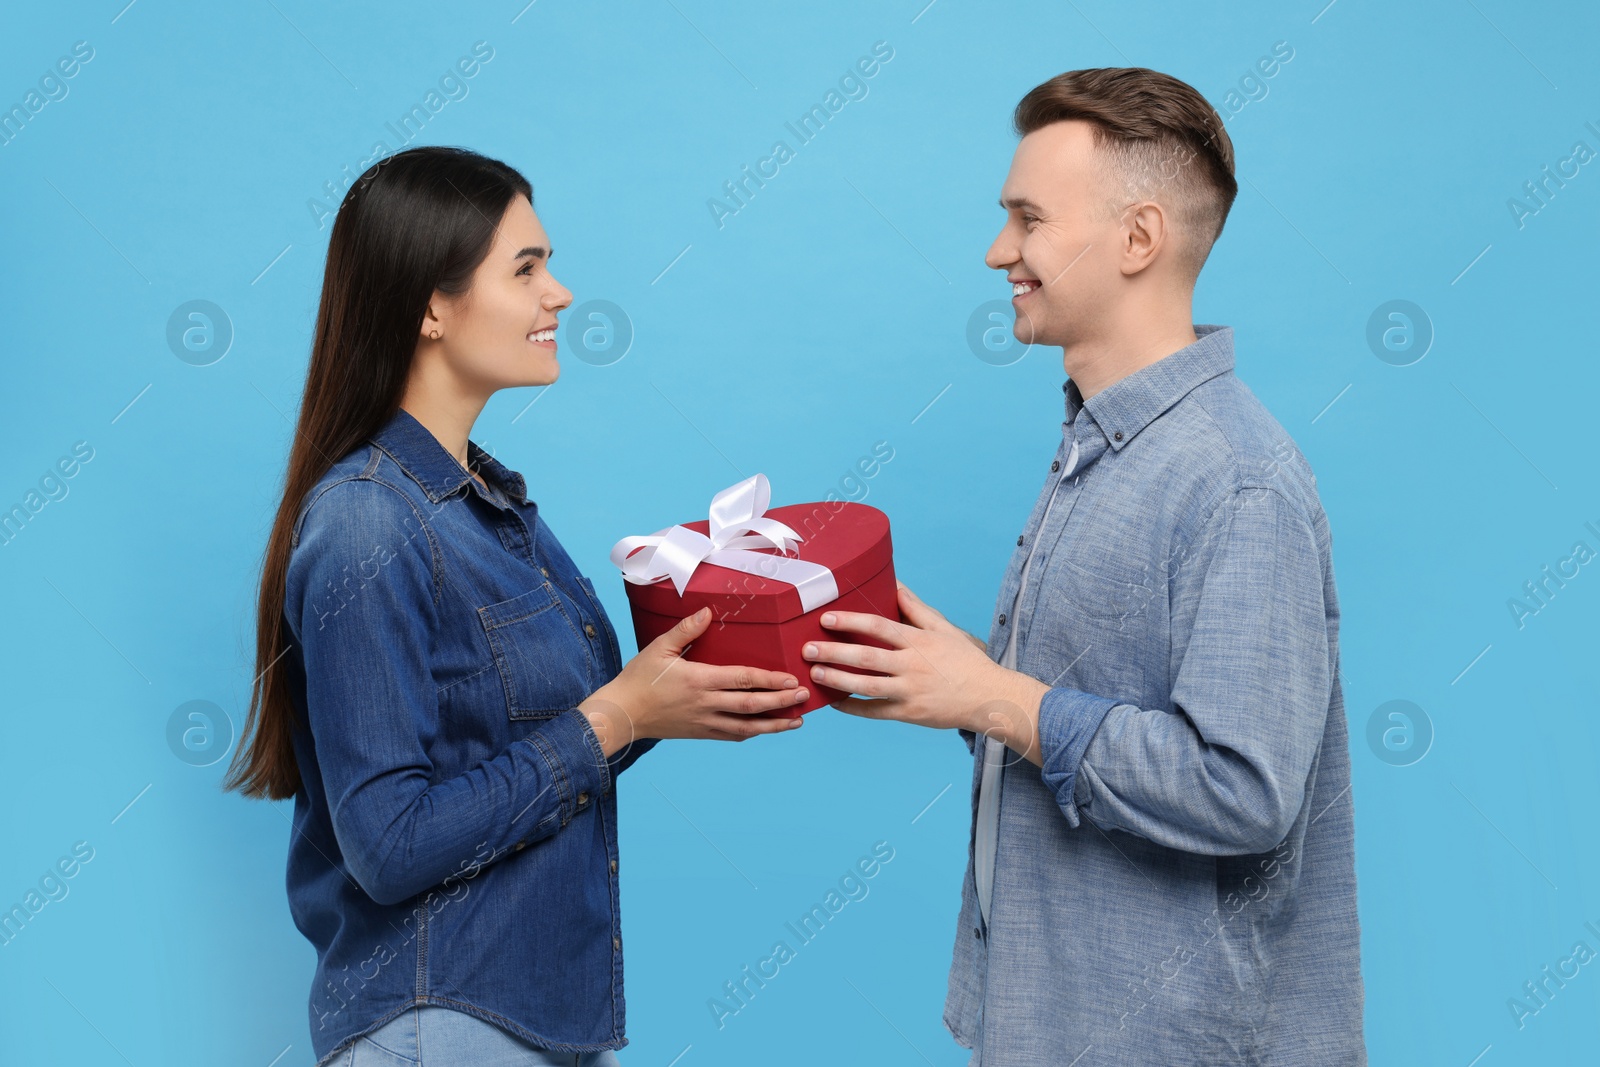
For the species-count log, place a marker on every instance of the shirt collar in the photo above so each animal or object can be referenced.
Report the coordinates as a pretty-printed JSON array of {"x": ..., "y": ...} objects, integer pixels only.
[
  {"x": 1128, "y": 405},
  {"x": 429, "y": 464}
]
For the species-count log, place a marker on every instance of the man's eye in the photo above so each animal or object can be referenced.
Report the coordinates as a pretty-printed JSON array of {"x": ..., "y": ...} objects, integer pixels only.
[{"x": 1030, "y": 219}]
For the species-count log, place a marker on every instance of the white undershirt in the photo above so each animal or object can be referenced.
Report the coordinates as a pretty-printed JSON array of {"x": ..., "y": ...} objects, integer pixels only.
[{"x": 987, "y": 830}]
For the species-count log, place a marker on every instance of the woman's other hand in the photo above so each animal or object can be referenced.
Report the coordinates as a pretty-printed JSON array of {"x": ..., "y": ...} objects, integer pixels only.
[{"x": 660, "y": 694}]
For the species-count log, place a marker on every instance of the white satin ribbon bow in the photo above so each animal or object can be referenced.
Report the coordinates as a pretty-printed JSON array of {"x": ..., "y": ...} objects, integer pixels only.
[{"x": 738, "y": 524}]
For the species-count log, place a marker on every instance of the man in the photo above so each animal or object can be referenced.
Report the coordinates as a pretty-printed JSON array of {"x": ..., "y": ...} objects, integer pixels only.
[{"x": 1161, "y": 870}]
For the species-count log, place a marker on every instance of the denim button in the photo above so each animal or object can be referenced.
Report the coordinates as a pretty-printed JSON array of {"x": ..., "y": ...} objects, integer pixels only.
[
  {"x": 1002, "y": 618},
  {"x": 519, "y": 846},
  {"x": 1055, "y": 465},
  {"x": 977, "y": 933},
  {"x": 583, "y": 798},
  {"x": 613, "y": 866},
  {"x": 616, "y": 943},
  {"x": 588, "y": 628},
  {"x": 544, "y": 572},
  {"x": 1019, "y": 539},
  {"x": 1117, "y": 435}
]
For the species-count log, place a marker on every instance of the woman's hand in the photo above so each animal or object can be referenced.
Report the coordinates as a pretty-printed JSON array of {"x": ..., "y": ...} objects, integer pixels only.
[{"x": 660, "y": 694}]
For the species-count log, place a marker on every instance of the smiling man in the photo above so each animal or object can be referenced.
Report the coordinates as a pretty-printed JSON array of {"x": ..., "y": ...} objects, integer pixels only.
[{"x": 1162, "y": 860}]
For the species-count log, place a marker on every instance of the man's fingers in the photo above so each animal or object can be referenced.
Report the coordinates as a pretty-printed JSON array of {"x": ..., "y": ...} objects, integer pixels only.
[
  {"x": 915, "y": 611},
  {"x": 858, "y": 622},
  {"x": 865, "y": 709},
  {"x": 865, "y": 684},
  {"x": 848, "y": 654}
]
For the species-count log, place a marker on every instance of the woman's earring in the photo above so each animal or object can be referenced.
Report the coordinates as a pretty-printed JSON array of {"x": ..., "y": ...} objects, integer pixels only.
[{"x": 434, "y": 335}]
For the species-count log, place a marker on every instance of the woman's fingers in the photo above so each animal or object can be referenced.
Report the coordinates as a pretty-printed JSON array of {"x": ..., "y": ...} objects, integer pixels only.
[
  {"x": 754, "y": 701},
  {"x": 741, "y": 728},
  {"x": 710, "y": 676},
  {"x": 675, "y": 640}
]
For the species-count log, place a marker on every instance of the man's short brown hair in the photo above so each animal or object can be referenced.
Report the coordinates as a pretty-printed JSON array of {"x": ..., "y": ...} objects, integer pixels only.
[{"x": 1157, "y": 138}]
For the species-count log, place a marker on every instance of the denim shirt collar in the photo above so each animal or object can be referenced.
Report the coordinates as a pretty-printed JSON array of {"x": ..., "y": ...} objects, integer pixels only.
[
  {"x": 419, "y": 453},
  {"x": 1128, "y": 405}
]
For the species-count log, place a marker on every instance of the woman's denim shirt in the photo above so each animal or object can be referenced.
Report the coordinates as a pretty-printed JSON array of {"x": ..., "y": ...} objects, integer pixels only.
[{"x": 455, "y": 834}]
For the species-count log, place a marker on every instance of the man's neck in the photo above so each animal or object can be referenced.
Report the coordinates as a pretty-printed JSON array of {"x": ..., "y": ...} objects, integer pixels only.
[{"x": 1101, "y": 362}]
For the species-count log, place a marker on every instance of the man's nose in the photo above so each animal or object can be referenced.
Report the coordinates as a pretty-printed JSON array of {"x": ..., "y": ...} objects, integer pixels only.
[{"x": 1000, "y": 254}]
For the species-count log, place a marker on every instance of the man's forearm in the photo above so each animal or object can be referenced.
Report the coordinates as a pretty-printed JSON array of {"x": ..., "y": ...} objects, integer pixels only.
[{"x": 1009, "y": 713}]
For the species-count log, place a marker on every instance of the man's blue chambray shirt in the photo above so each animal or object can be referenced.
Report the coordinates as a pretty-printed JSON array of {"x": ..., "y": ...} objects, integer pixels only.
[
  {"x": 1176, "y": 885},
  {"x": 455, "y": 835}
]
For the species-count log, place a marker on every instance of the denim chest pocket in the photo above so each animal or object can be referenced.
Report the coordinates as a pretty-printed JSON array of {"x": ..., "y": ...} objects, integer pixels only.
[{"x": 543, "y": 660}]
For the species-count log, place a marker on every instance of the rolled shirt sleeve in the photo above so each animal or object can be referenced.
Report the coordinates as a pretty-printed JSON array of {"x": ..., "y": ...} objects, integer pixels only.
[
  {"x": 363, "y": 604},
  {"x": 1224, "y": 771}
]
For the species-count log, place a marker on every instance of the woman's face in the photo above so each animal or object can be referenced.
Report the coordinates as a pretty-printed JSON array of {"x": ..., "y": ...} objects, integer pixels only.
[{"x": 502, "y": 331}]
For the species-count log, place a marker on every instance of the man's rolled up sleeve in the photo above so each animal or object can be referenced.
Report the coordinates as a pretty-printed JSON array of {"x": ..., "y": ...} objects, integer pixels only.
[
  {"x": 1068, "y": 719},
  {"x": 1223, "y": 770}
]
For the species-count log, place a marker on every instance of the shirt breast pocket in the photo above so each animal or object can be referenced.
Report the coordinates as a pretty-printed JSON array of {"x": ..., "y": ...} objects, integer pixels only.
[
  {"x": 1121, "y": 599},
  {"x": 542, "y": 659},
  {"x": 1099, "y": 625}
]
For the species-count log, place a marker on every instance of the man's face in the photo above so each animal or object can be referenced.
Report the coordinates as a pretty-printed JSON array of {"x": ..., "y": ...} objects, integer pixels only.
[{"x": 1061, "y": 237}]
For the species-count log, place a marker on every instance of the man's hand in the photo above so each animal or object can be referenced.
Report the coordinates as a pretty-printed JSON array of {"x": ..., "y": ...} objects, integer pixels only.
[{"x": 936, "y": 675}]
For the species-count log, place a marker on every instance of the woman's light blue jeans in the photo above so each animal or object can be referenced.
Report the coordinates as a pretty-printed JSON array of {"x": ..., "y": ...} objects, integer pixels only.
[{"x": 431, "y": 1036}]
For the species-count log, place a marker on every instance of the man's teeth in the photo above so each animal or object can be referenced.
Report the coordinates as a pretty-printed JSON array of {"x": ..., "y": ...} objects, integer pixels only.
[
  {"x": 1018, "y": 288},
  {"x": 542, "y": 335}
]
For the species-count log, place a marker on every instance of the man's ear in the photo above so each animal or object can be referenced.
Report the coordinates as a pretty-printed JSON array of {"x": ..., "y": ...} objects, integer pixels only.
[{"x": 1145, "y": 233}]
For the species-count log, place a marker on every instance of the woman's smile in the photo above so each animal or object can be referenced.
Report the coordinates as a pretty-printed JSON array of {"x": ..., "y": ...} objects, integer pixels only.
[{"x": 544, "y": 337}]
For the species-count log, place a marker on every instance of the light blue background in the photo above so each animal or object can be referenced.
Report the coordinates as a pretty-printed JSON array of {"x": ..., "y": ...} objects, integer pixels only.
[{"x": 825, "y": 316}]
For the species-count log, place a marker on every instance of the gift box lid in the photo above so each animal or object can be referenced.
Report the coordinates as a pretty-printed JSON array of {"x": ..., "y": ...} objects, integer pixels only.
[{"x": 852, "y": 542}]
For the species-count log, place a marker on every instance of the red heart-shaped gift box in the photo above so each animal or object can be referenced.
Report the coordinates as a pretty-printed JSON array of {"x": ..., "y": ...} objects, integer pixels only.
[{"x": 758, "y": 621}]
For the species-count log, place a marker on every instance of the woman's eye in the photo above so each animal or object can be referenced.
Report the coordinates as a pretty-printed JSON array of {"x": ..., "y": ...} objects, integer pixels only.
[{"x": 527, "y": 268}]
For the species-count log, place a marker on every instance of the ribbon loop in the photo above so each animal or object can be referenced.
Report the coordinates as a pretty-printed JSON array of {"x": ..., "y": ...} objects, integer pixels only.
[{"x": 740, "y": 537}]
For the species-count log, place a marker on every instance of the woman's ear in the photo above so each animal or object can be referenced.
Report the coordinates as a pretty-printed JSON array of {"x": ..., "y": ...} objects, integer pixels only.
[{"x": 432, "y": 326}]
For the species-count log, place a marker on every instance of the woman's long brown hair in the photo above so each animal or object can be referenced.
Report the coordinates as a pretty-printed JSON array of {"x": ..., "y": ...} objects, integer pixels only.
[{"x": 417, "y": 221}]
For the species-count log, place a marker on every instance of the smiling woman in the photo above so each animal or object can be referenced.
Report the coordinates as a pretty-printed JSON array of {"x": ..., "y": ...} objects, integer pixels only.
[{"x": 438, "y": 687}]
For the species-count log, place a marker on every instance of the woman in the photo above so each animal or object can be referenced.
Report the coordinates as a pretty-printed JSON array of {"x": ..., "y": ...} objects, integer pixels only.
[{"x": 439, "y": 688}]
